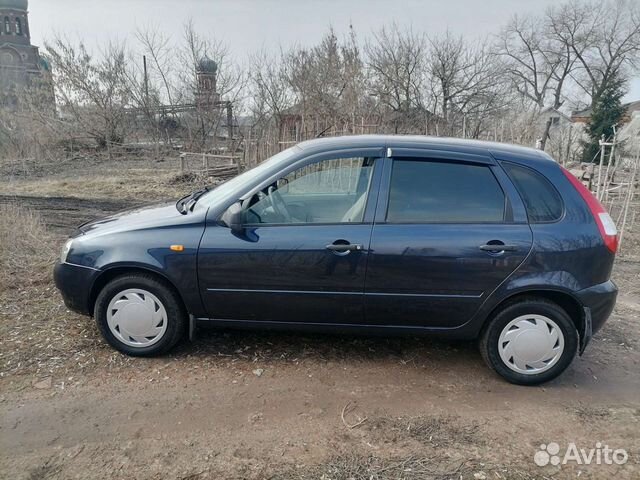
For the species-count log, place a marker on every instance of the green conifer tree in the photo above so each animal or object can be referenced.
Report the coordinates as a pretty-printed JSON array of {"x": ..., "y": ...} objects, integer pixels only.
[{"x": 606, "y": 112}]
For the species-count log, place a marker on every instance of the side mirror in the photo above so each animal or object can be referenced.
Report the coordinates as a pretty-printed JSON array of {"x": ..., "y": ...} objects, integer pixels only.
[{"x": 233, "y": 217}]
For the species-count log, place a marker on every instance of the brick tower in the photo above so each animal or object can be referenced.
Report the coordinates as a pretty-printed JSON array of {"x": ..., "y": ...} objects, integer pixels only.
[{"x": 21, "y": 66}]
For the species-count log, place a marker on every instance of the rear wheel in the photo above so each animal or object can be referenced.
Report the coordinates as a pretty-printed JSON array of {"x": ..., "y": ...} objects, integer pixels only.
[
  {"x": 529, "y": 342},
  {"x": 140, "y": 315}
]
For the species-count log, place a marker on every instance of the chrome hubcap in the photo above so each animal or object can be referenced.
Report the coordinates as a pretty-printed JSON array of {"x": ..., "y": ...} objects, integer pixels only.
[
  {"x": 531, "y": 344},
  {"x": 137, "y": 318}
]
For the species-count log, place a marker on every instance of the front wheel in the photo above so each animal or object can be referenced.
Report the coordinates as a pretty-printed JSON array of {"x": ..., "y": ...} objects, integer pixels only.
[
  {"x": 529, "y": 342},
  {"x": 140, "y": 315}
]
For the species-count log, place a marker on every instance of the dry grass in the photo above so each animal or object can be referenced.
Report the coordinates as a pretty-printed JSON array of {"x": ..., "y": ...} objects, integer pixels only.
[
  {"x": 434, "y": 431},
  {"x": 412, "y": 467},
  {"x": 140, "y": 184},
  {"x": 143, "y": 184},
  {"x": 94, "y": 177},
  {"x": 25, "y": 248},
  {"x": 588, "y": 414},
  {"x": 430, "y": 448},
  {"x": 358, "y": 467},
  {"x": 37, "y": 333}
]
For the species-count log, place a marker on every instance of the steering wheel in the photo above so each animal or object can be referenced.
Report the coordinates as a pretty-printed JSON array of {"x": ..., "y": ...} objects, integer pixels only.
[{"x": 278, "y": 204}]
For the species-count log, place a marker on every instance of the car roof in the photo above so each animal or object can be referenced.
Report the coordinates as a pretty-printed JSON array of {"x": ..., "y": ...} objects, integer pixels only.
[{"x": 502, "y": 151}]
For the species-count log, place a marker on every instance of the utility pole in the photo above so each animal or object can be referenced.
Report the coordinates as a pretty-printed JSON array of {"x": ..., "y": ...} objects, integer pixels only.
[
  {"x": 230, "y": 121},
  {"x": 146, "y": 80}
]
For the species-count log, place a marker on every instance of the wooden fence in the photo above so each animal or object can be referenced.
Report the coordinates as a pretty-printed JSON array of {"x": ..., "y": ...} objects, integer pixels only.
[{"x": 208, "y": 164}]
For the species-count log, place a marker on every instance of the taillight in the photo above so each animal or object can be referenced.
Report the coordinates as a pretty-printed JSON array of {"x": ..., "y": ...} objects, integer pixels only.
[{"x": 603, "y": 219}]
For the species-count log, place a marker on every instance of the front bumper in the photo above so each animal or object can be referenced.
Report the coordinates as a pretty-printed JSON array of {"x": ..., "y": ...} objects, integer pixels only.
[
  {"x": 74, "y": 283},
  {"x": 598, "y": 302}
]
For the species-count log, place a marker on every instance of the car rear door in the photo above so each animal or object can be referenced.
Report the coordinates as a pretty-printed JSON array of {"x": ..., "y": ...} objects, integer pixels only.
[{"x": 449, "y": 228}]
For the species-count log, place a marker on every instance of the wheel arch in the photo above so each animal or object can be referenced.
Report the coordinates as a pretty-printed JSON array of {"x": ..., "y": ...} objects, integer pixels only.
[
  {"x": 565, "y": 300},
  {"x": 109, "y": 274}
]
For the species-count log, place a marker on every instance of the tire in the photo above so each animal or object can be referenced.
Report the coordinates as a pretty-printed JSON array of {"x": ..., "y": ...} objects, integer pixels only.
[
  {"x": 140, "y": 315},
  {"x": 530, "y": 341}
]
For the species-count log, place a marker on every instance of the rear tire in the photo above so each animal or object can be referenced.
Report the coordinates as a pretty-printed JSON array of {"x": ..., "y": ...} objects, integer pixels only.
[
  {"x": 140, "y": 315},
  {"x": 529, "y": 342}
]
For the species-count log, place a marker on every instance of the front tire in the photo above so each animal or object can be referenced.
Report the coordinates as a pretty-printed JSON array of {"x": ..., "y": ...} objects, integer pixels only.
[
  {"x": 140, "y": 315},
  {"x": 529, "y": 342}
]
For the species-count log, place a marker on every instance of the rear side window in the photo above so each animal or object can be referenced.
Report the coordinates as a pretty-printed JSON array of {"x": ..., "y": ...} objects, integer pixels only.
[
  {"x": 423, "y": 191},
  {"x": 541, "y": 199}
]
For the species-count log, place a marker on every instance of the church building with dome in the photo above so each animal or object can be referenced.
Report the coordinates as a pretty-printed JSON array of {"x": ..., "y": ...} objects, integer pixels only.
[{"x": 21, "y": 66}]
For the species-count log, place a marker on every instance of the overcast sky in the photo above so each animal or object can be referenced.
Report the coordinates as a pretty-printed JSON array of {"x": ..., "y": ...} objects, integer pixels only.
[{"x": 249, "y": 25}]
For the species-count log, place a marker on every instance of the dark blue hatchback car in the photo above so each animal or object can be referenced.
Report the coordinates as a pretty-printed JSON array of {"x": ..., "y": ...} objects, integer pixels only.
[{"x": 387, "y": 234}]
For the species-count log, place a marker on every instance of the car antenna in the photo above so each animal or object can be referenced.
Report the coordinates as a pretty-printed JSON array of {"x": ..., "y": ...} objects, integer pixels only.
[{"x": 321, "y": 134}]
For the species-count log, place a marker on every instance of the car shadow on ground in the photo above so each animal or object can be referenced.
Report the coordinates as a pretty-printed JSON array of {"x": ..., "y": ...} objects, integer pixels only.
[
  {"x": 450, "y": 361},
  {"x": 433, "y": 359},
  {"x": 279, "y": 345}
]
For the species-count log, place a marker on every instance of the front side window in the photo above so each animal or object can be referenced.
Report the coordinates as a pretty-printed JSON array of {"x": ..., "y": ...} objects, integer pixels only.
[
  {"x": 18, "y": 26},
  {"x": 329, "y": 191},
  {"x": 425, "y": 191},
  {"x": 7, "y": 25}
]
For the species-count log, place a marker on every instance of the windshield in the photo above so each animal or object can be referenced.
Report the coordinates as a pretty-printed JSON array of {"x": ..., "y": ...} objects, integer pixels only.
[{"x": 246, "y": 179}]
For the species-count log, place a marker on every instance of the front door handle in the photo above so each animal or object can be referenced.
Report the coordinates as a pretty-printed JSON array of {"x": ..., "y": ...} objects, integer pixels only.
[
  {"x": 349, "y": 247},
  {"x": 498, "y": 248}
]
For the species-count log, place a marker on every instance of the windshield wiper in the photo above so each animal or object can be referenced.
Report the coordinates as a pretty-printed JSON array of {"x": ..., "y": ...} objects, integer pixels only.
[
  {"x": 186, "y": 203},
  {"x": 180, "y": 204},
  {"x": 195, "y": 197}
]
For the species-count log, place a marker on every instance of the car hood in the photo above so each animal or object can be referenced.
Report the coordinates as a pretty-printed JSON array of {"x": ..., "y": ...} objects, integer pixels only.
[{"x": 141, "y": 218}]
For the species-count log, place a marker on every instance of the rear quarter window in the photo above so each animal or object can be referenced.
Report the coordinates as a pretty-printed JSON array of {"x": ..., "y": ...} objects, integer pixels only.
[{"x": 541, "y": 199}]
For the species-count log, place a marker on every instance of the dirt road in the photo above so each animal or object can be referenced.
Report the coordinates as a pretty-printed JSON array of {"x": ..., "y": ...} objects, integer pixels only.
[
  {"x": 63, "y": 214},
  {"x": 246, "y": 405}
]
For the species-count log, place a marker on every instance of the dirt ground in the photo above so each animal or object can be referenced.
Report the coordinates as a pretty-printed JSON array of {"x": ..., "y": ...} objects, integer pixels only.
[{"x": 255, "y": 405}]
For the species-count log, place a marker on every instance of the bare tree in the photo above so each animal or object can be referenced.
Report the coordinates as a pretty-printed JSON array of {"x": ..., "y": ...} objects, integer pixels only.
[
  {"x": 157, "y": 46},
  {"x": 466, "y": 83},
  {"x": 269, "y": 97},
  {"x": 396, "y": 64},
  {"x": 157, "y": 88},
  {"x": 92, "y": 90},
  {"x": 400, "y": 81},
  {"x": 355, "y": 98},
  {"x": 270, "y": 93},
  {"x": 536, "y": 62},
  {"x": 29, "y": 128},
  {"x": 604, "y": 37},
  {"x": 326, "y": 83},
  {"x": 314, "y": 79}
]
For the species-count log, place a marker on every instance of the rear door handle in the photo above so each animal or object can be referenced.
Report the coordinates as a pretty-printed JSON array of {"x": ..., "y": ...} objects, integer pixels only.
[
  {"x": 499, "y": 248},
  {"x": 351, "y": 247}
]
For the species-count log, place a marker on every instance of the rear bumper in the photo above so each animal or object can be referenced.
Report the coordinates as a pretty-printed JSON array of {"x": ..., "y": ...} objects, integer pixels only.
[
  {"x": 74, "y": 283},
  {"x": 598, "y": 302},
  {"x": 600, "y": 299}
]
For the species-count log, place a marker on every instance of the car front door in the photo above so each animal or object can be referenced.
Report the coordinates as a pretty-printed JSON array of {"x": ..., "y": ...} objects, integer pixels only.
[
  {"x": 302, "y": 251},
  {"x": 448, "y": 230}
]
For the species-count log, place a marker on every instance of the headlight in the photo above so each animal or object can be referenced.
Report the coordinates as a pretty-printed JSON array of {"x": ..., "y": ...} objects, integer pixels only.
[{"x": 65, "y": 251}]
